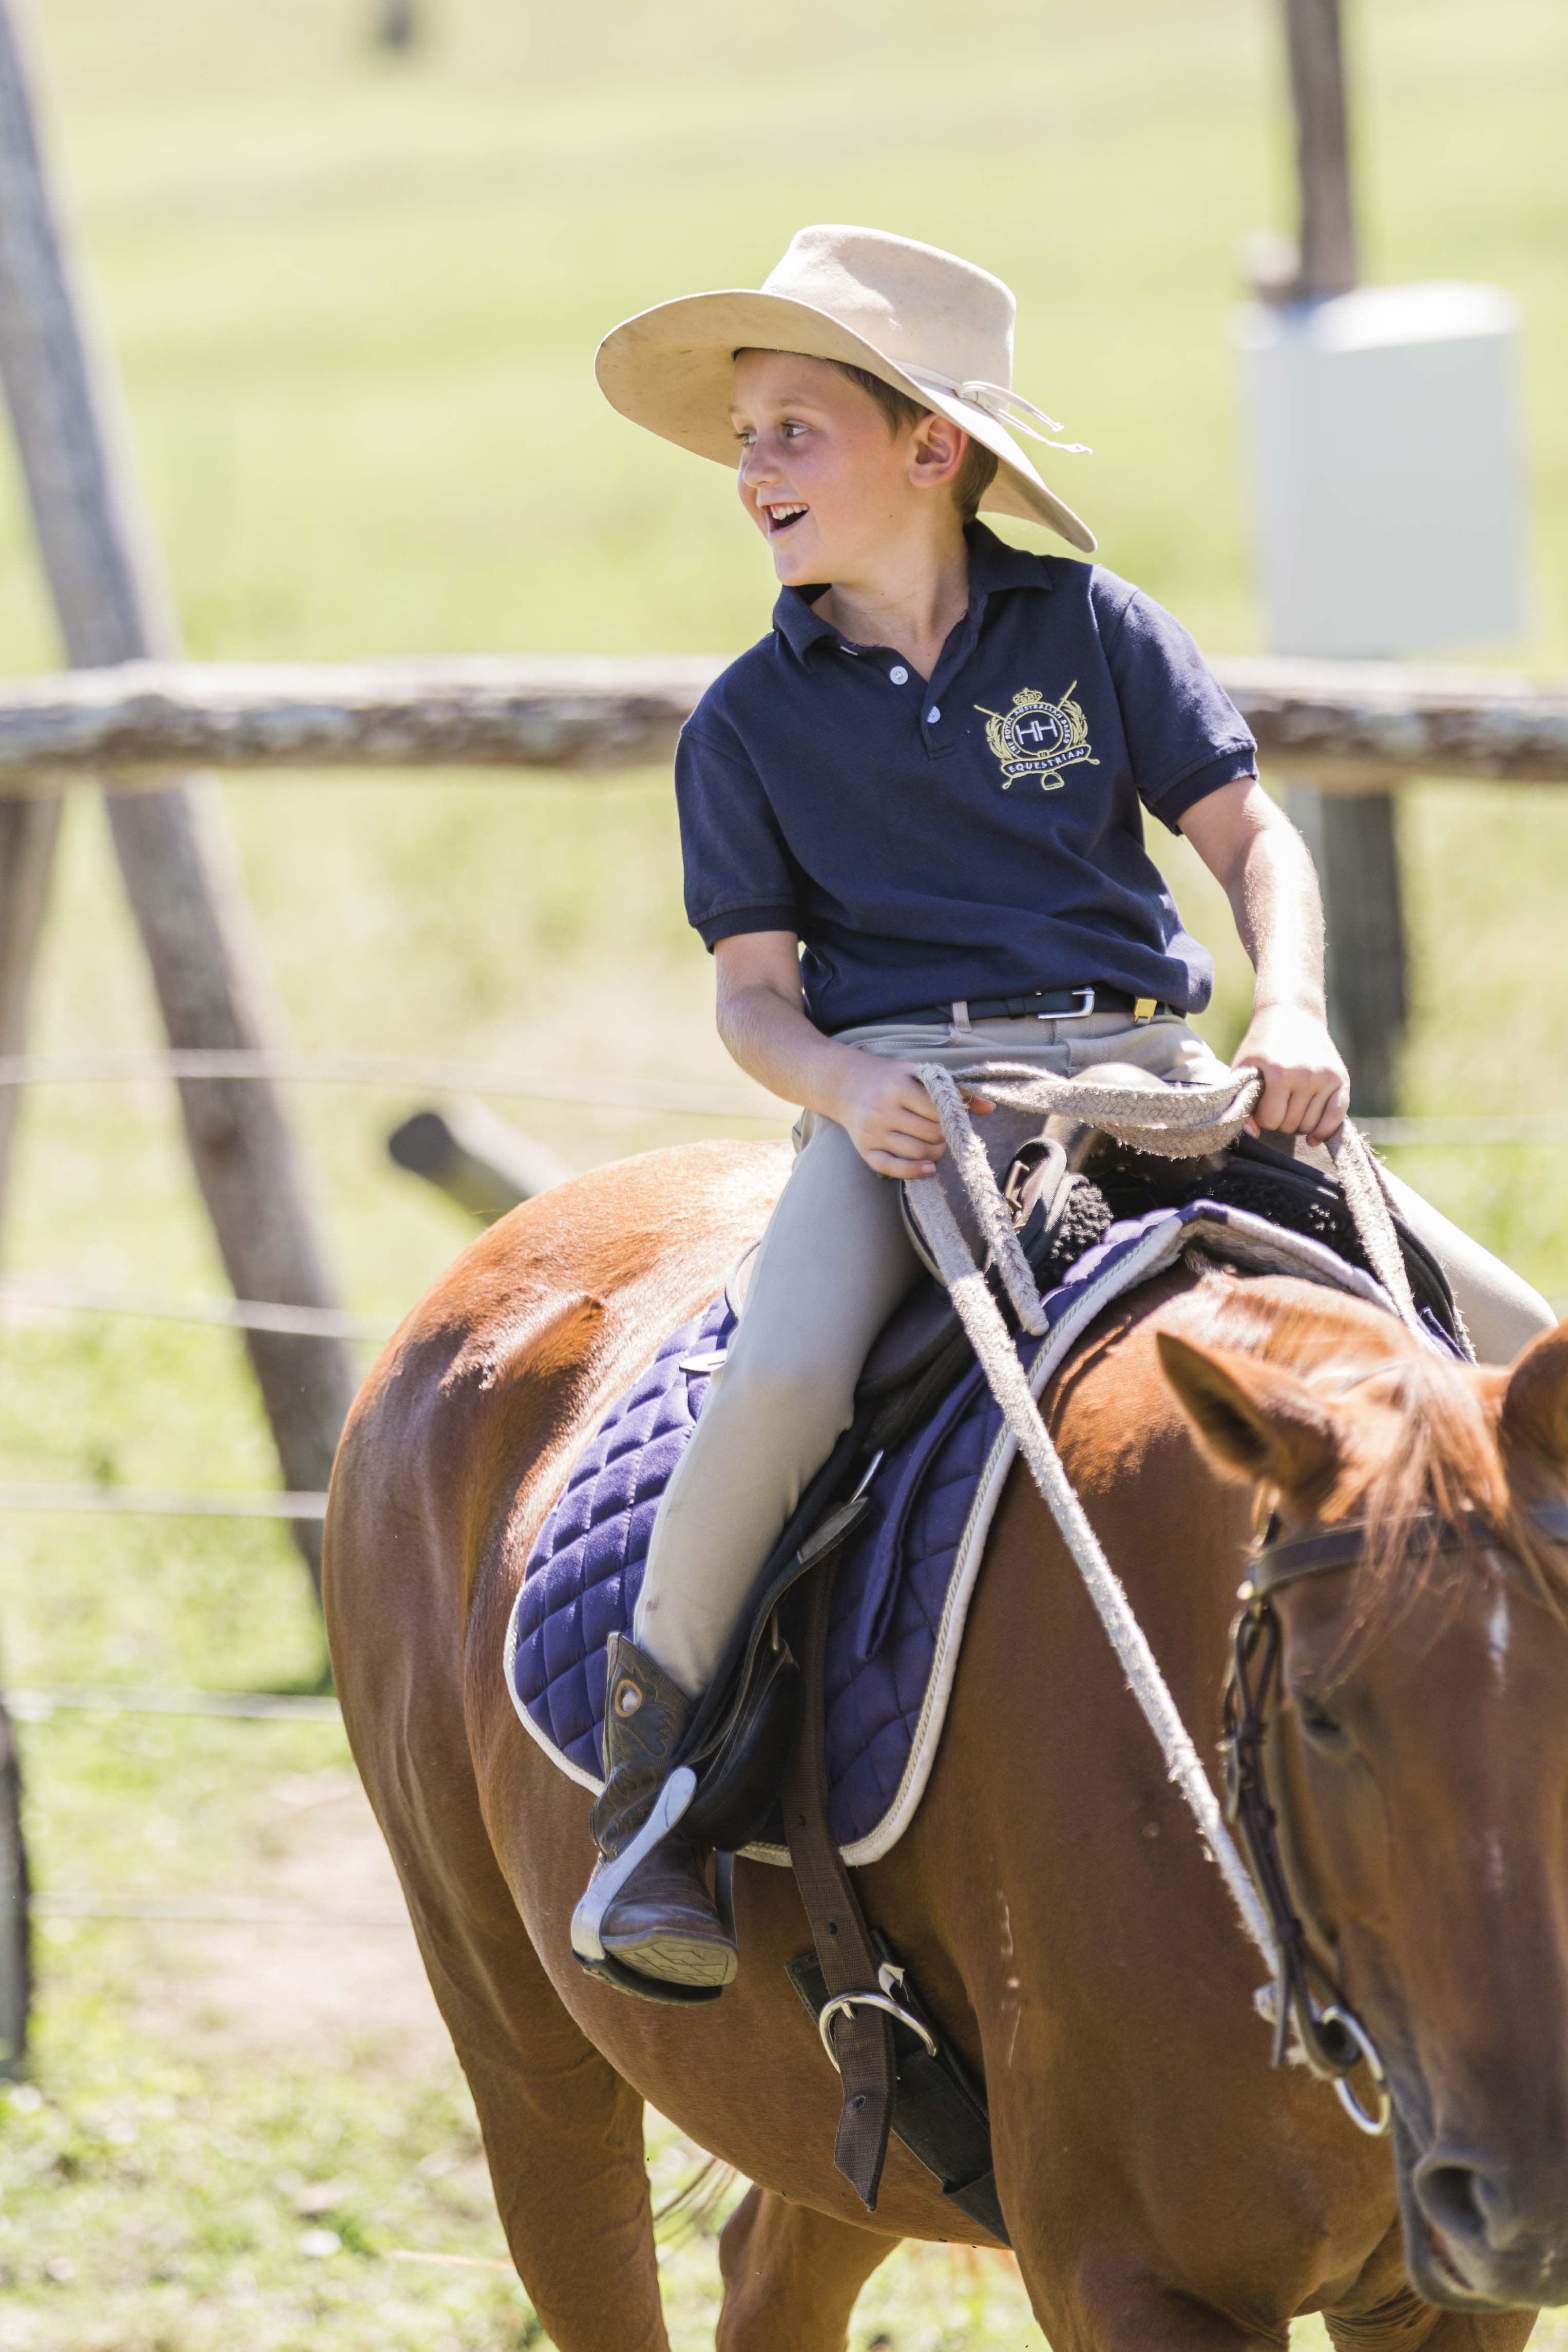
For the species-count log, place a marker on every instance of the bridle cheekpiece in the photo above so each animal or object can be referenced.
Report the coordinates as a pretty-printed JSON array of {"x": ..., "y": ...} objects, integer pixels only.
[{"x": 1306, "y": 1996}]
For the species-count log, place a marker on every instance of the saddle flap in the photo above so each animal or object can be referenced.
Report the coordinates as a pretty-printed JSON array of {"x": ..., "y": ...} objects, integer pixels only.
[
  {"x": 913, "y": 1336},
  {"x": 738, "y": 1789}
]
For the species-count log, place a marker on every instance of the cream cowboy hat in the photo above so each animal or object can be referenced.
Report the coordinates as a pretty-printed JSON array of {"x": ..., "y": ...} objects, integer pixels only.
[{"x": 935, "y": 327}]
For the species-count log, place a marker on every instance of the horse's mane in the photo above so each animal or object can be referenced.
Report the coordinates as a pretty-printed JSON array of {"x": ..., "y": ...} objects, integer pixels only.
[{"x": 1445, "y": 1461}]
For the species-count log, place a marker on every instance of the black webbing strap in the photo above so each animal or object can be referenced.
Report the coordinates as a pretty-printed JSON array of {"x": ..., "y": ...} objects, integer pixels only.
[
  {"x": 944, "y": 2126},
  {"x": 939, "y": 2114},
  {"x": 862, "y": 2038}
]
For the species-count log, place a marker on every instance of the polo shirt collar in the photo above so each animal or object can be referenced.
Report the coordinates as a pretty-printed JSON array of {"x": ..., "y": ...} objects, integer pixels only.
[
  {"x": 797, "y": 624},
  {"x": 993, "y": 565}
]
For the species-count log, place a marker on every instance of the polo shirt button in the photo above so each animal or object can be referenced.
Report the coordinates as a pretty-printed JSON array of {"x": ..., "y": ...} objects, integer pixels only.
[
  {"x": 898, "y": 674},
  {"x": 932, "y": 715}
]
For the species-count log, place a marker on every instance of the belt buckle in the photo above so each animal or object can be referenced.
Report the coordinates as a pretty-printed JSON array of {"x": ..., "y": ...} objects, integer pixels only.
[{"x": 1079, "y": 1013}]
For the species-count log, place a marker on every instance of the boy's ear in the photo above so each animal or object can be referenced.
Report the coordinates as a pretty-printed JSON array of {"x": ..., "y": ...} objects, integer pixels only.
[
  {"x": 1535, "y": 1401},
  {"x": 1253, "y": 1418},
  {"x": 939, "y": 448}
]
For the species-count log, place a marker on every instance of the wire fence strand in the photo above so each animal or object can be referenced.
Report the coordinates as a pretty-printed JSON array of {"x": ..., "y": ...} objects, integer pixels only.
[
  {"x": 400, "y": 1072},
  {"x": 37, "y": 1705},
  {"x": 161, "y": 1502},
  {"x": 394, "y": 1072},
  {"x": 25, "y": 1296},
  {"x": 203, "y": 1911}
]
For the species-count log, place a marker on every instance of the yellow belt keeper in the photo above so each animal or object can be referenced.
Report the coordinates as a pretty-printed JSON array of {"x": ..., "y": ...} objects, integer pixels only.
[{"x": 1143, "y": 1008}]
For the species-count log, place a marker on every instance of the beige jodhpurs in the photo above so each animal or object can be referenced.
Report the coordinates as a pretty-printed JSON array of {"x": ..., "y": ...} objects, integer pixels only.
[{"x": 832, "y": 1265}]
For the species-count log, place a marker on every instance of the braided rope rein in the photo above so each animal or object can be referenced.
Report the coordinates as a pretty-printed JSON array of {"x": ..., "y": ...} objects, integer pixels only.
[{"x": 1178, "y": 1123}]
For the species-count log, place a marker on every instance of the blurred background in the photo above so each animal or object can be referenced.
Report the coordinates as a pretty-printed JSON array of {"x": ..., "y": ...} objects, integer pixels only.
[{"x": 353, "y": 284}]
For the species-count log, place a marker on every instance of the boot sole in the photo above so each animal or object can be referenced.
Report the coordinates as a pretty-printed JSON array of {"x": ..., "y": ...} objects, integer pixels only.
[
  {"x": 610, "y": 1878},
  {"x": 676, "y": 1960}
]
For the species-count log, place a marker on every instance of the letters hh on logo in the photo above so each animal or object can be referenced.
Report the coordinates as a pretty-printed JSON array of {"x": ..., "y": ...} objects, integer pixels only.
[{"x": 1038, "y": 738}]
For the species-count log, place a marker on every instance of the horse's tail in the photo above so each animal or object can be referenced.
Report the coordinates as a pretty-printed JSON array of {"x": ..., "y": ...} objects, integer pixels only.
[{"x": 696, "y": 2202}]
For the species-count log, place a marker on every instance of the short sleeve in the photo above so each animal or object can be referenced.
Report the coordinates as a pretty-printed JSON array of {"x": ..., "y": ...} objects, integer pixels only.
[
  {"x": 739, "y": 875},
  {"x": 1185, "y": 736}
]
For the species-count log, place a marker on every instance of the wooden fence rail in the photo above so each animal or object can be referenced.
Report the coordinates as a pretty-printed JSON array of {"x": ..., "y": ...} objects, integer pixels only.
[{"x": 1351, "y": 726}]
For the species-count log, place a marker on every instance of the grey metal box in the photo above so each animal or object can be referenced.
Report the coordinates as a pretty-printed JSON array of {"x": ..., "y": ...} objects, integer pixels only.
[{"x": 1388, "y": 501}]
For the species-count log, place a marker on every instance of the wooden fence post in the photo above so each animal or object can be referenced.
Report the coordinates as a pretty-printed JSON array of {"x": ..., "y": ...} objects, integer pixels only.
[
  {"x": 1355, "y": 849},
  {"x": 29, "y": 830},
  {"x": 1327, "y": 243},
  {"x": 397, "y": 23},
  {"x": 1352, "y": 840},
  {"x": 482, "y": 1163},
  {"x": 112, "y": 606},
  {"x": 16, "y": 1910}
]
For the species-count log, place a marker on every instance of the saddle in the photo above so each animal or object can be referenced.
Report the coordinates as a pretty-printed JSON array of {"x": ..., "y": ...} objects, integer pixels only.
[
  {"x": 1063, "y": 1191},
  {"x": 759, "y": 1730}
]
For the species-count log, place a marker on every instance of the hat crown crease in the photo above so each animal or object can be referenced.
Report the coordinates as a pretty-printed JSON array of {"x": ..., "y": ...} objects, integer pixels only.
[{"x": 916, "y": 304}]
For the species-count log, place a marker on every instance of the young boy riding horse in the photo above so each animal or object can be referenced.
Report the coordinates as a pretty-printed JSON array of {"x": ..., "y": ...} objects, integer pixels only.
[{"x": 912, "y": 824}]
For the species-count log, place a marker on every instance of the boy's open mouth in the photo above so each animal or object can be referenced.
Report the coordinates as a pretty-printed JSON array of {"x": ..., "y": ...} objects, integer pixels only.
[{"x": 782, "y": 518}]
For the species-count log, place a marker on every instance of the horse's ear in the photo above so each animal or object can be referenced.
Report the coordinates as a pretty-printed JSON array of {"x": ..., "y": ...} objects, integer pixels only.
[
  {"x": 1535, "y": 1401},
  {"x": 1253, "y": 1418}
]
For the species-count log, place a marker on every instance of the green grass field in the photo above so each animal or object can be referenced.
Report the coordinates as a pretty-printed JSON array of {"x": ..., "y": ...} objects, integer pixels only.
[{"x": 355, "y": 299}]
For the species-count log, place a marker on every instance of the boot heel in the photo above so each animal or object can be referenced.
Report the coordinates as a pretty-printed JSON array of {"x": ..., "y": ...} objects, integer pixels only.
[{"x": 610, "y": 1878}]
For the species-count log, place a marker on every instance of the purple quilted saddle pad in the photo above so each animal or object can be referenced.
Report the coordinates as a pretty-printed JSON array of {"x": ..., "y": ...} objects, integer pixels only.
[{"x": 890, "y": 1596}]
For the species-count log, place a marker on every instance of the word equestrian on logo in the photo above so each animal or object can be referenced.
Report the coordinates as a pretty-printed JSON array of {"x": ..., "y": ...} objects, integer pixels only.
[{"x": 1037, "y": 738}]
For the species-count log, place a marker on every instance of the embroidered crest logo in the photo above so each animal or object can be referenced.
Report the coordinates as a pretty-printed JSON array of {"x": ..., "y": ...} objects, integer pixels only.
[{"x": 1037, "y": 738}]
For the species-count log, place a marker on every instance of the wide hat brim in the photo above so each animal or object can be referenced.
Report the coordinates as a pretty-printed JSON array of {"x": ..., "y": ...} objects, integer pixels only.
[{"x": 672, "y": 368}]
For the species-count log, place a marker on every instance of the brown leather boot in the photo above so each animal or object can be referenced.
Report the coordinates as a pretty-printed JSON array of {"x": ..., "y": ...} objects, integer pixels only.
[{"x": 659, "y": 1919}]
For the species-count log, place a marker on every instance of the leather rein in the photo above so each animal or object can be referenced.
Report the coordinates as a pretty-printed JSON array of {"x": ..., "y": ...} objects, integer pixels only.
[{"x": 1305, "y": 1994}]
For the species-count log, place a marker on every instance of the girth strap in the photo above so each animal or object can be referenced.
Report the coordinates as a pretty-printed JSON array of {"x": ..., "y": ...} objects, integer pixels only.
[{"x": 862, "y": 2036}]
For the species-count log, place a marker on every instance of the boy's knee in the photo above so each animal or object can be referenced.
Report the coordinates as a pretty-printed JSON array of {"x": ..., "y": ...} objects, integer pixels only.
[
  {"x": 790, "y": 1387},
  {"x": 1501, "y": 1312}
]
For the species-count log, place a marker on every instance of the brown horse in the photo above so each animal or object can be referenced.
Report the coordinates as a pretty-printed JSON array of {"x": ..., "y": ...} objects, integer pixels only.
[{"x": 1163, "y": 2186}]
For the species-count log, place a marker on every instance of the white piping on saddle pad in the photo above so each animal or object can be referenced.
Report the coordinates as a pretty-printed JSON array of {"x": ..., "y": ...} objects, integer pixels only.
[
  {"x": 541, "y": 1738},
  {"x": 1186, "y": 1123},
  {"x": 1209, "y": 1115},
  {"x": 1252, "y": 1242}
]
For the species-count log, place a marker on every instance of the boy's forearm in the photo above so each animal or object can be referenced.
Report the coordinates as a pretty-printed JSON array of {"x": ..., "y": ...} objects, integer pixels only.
[
  {"x": 1262, "y": 864},
  {"x": 877, "y": 1100},
  {"x": 1278, "y": 910},
  {"x": 1265, "y": 868},
  {"x": 774, "y": 1043}
]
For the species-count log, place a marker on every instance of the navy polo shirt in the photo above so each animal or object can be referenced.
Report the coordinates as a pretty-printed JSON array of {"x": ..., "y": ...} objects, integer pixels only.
[{"x": 977, "y": 833}]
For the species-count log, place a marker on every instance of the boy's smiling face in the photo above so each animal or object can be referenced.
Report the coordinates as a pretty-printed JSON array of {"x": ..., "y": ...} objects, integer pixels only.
[{"x": 830, "y": 485}]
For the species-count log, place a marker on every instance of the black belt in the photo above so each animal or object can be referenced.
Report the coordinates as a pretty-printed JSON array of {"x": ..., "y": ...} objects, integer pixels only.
[{"x": 1040, "y": 1005}]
